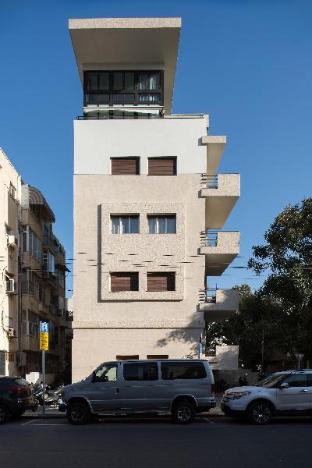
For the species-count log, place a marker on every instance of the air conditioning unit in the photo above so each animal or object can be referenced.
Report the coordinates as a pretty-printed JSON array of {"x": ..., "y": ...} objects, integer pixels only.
[
  {"x": 20, "y": 359},
  {"x": 10, "y": 286},
  {"x": 11, "y": 333},
  {"x": 12, "y": 241}
]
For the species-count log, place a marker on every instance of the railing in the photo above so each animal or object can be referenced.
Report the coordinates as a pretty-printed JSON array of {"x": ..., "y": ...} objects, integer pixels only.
[
  {"x": 209, "y": 238},
  {"x": 210, "y": 181},
  {"x": 209, "y": 295},
  {"x": 213, "y": 238}
]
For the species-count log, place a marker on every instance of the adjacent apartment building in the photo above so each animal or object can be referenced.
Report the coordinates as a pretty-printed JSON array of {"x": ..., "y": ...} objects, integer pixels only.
[
  {"x": 32, "y": 284},
  {"x": 149, "y": 203}
]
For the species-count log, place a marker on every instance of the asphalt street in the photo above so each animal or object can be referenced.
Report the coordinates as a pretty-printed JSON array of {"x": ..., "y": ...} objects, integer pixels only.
[{"x": 117, "y": 443}]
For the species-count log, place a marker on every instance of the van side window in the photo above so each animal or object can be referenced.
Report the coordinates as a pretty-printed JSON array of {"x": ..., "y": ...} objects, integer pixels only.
[
  {"x": 142, "y": 371},
  {"x": 106, "y": 373},
  {"x": 182, "y": 370}
]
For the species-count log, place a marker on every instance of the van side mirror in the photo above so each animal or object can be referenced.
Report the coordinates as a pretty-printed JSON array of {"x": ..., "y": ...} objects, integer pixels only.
[{"x": 284, "y": 385}]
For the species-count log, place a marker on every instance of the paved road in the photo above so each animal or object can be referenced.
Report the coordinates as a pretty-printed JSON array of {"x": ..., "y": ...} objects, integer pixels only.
[{"x": 209, "y": 442}]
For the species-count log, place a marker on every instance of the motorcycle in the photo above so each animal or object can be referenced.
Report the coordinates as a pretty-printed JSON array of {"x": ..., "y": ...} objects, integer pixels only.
[{"x": 49, "y": 397}]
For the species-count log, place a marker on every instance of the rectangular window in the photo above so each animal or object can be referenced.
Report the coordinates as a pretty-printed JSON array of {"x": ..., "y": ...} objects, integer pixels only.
[
  {"x": 48, "y": 262},
  {"x": 157, "y": 356},
  {"x": 124, "y": 281},
  {"x": 140, "y": 371},
  {"x": 31, "y": 243},
  {"x": 134, "y": 87},
  {"x": 33, "y": 324},
  {"x": 162, "y": 224},
  {"x": 164, "y": 281},
  {"x": 182, "y": 370},
  {"x": 162, "y": 166},
  {"x": 129, "y": 357},
  {"x": 125, "y": 224},
  {"x": 125, "y": 166}
]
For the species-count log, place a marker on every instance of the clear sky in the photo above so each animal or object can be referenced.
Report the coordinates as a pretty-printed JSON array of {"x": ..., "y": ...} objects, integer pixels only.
[{"x": 248, "y": 64}]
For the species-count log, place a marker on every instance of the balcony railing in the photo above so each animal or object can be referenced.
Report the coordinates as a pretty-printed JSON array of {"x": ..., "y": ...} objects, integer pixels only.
[
  {"x": 210, "y": 181},
  {"x": 208, "y": 296},
  {"x": 213, "y": 238}
]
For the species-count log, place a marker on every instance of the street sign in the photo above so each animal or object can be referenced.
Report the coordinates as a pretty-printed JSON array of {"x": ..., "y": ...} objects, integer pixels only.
[{"x": 44, "y": 336}]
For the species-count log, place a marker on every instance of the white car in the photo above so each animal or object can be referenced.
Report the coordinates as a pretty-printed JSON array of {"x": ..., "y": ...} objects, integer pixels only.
[{"x": 287, "y": 392}]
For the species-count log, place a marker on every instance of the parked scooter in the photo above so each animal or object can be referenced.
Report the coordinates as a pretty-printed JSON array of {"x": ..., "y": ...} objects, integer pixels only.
[{"x": 45, "y": 394}]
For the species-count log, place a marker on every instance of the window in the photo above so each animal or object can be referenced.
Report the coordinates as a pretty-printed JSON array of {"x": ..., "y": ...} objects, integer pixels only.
[
  {"x": 125, "y": 166},
  {"x": 125, "y": 224},
  {"x": 123, "y": 87},
  {"x": 162, "y": 166},
  {"x": 124, "y": 281},
  {"x": 130, "y": 357},
  {"x": 162, "y": 224},
  {"x": 163, "y": 281},
  {"x": 48, "y": 262},
  {"x": 142, "y": 371},
  {"x": 32, "y": 244},
  {"x": 33, "y": 324},
  {"x": 297, "y": 380},
  {"x": 106, "y": 373},
  {"x": 182, "y": 370},
  {"x": 157, "y": 356},
  {"x": 12, "y": 191}
]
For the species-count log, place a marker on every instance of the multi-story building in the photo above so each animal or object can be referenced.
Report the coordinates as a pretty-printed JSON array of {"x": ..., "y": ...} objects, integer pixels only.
[
  {"x": 33, "y": 280},
  {"x": 148, "y": 201}
]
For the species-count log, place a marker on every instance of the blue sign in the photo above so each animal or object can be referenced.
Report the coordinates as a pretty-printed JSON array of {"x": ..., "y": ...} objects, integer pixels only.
[{"x": 44, "y": 327}]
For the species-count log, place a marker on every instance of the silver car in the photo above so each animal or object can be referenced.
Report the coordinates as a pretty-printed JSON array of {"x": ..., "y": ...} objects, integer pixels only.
[{"x": 181, "y": 388}]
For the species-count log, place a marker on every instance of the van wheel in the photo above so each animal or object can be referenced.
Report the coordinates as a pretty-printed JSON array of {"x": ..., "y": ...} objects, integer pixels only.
[
  {"x": 260, "y": 412},
  {"x": 3, "y": 414},
  {"x": 183, "y": 412},
  {"x": 78, "y": 413}
]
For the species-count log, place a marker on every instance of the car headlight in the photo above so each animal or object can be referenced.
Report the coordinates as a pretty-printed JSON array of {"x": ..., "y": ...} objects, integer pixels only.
[{"x": 236, "y": 395}]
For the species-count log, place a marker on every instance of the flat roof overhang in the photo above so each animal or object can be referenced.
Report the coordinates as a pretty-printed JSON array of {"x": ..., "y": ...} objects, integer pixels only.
[{"x": 134, "y": 43}]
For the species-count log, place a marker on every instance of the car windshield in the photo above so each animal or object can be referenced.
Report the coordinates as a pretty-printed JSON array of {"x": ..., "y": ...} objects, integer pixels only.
[{"x": 271, "y": 380}]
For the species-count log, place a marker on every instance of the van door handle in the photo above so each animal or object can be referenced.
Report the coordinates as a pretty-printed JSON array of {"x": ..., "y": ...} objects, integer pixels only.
[{"x": 117, "y": 391}]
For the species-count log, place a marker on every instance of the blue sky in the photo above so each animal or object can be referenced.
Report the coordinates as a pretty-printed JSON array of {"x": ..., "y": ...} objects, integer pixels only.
[{"x": 246, "y": 63}]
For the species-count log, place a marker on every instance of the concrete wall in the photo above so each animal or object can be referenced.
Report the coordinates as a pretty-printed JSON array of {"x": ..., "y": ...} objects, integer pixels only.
[
  {"x": 108, "y": 324},
  {"x": 9, "y": 215}
]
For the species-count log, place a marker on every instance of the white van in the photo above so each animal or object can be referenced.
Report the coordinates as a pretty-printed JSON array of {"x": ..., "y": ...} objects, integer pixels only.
[{"x": 180, "y": 387}]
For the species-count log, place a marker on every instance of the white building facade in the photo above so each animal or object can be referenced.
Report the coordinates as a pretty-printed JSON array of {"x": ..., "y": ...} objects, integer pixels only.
[{"x": 147, "y": 201}]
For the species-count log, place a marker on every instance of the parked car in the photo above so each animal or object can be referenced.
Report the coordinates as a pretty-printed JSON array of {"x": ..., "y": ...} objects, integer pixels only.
[
  {"x": 181, "y": 388},
  {"x": 287, "y": 392},
  {"x": 16, "y": 397}
]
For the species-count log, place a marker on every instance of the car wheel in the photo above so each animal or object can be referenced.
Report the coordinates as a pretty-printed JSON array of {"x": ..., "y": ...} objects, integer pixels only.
[
  {"x": 78, "y": 413},
  {"x": 3, "y": 414},
  {"x": 183, "y": 412},
  {"x": 260, "y": 412}
]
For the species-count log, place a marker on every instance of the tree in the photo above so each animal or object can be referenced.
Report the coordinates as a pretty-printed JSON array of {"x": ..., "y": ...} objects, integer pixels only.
[
  {"x": 287, "y": 257},
  {"x": 257, "y": 319},
  {"x": 280, "y": 312}
]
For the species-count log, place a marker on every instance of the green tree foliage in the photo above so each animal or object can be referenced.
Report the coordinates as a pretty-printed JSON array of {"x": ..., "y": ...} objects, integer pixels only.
[{"x": 280, "y": 312}]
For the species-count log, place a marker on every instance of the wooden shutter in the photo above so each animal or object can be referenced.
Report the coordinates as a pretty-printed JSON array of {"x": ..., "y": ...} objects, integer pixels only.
[
  {"x": 124, "y": 281},
  {"x": 161, "y": 281},
  {"x": 162, "y": 166},
  {"x": 125, "y": 166}
]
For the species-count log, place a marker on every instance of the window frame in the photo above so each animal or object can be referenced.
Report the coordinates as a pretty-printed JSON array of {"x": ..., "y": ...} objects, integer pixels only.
[
  {"x": 161, "y": 158},
  {"x": 111, "y": 93},
  {"x": 169, "y": 274},
  {"x": 125, "y": 273},
  {"x": 129, "y": 216},
  {"x": 158, "y": 217}
]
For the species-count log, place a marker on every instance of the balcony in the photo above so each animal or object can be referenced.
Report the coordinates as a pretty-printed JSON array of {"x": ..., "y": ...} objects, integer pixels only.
[
  {"x": 218, "y": 304},
  {"x": 220, "y": 249},
  {"x": 221, "y": 192},
  {"x": 215, "y": 147}
]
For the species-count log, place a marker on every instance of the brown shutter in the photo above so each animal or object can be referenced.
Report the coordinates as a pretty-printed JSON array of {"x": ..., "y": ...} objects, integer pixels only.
[
  {"x": 124, "y": 281},
  {"x": 162, "y": 166},
  {"x": 125, "y": 166},
  {"x": 161, "y": 281}
]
